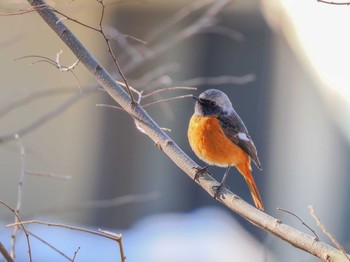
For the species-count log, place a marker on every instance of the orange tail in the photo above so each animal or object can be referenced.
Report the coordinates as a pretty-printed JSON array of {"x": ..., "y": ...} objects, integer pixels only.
[{"x": 244, "y": 169}]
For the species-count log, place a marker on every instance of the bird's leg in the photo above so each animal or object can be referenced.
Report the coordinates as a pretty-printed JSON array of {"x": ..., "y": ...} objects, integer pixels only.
[
  {"x": 201, "y": 171},
  {"x": 218, "y": 189}
]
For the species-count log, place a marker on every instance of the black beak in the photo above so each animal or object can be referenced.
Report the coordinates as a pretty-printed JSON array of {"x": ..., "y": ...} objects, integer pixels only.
[{"x": 196, "y": 98}]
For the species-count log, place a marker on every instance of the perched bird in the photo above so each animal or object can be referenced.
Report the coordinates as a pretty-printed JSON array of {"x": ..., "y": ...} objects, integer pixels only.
[{"x": 219, "y": 137}]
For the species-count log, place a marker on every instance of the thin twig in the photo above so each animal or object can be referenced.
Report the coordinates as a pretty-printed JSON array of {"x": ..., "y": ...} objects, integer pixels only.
[
  {"x": 302, "y": 222},
  {"x": 19, "y": 193},
  {"x": 325, "y": 231},
  {"x": 166, "y": 100},
  {"x": 58, "y": 225},
  {"x": 75, "y": 254},
  {"x": 49, "y": 245},
  {"x": 73, "y": 20},
  {"x": 56, "y": 63},
  {"x": 333, "y": 3},
  {"x": 110, "y": 106},
  {"x": 119, "y": 35},
  {"x": 130, "y": 52},
  {"x": 148, "y": 104},
  {"x": 23, "y": 228},
  {"x": 100, "y": 30},
  {"x": 169, "y": 89},
  {"x": 28, "y": 10},
  {"x": 116, "y": 63},
  {"x": 119, "y": 239},
  {"x": 115, "y": 237},
  {"x": 51, "y": 175}
]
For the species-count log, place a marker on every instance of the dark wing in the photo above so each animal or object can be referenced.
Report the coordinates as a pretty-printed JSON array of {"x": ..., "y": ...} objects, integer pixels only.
[{"x": 236, "y": 131}]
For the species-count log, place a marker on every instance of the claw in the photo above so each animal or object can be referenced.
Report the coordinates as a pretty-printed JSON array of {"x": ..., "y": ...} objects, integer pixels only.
[
  {"x": 201, "y": 171},
  {"x": 218, "y": 190}
]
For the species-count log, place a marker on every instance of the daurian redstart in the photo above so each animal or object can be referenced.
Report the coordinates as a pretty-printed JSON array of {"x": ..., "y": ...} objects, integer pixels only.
[{"x": 219, "y": 137}]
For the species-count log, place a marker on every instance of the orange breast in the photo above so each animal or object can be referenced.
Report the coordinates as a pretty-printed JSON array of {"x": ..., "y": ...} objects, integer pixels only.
[{"x": 211, "y": 145}]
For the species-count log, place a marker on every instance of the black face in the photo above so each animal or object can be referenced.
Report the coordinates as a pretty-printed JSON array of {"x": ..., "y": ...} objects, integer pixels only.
[{"x": 206, "y": 107}]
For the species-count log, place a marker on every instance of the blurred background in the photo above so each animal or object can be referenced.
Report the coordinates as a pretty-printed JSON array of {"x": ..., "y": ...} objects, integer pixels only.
[{"x": 291, "y": 59}]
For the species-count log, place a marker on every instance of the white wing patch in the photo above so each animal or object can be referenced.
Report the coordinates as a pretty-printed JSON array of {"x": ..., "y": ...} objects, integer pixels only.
[{"x": 243, "y": 136}]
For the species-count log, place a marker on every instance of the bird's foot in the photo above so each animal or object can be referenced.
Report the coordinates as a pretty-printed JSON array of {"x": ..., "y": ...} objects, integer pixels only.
[
  {"x": 218, "y": 190},
  {"x": 201, "y": 171}
]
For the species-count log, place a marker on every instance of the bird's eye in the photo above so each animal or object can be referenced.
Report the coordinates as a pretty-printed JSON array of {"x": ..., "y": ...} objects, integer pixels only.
[{"x": 212, "y": 103}]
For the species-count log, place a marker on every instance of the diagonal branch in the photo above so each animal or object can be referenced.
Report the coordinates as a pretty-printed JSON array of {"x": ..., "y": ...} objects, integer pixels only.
[
  {"x": 173, "y": 151},
  {"x": 5, "y": 253}
]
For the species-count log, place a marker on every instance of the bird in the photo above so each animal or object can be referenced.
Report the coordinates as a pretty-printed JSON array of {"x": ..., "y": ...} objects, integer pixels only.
[{"x": 218, "y": 136}]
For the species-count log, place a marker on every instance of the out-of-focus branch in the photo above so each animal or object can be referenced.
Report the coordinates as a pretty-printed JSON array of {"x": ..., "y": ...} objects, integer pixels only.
[
  {"x": 177, "y": 17},
  {"x": 19, "y": 193},
  {"x": 97, "y": 204},
  {"x": 164, "y": 142},
  {"x": 48, "y": 116},
  {"x": 206, "y": 20},
  {"x": 329, "y": 235},
  {"x": 5, "y": 254},
  {"x": 25, "y": 99}
]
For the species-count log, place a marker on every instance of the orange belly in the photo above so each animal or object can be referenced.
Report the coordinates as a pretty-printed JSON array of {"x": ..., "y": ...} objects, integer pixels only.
[{"x": 211, "y": 145}]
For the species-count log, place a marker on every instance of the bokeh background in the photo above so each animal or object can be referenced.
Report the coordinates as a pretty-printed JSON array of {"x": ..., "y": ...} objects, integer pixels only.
[{"x": 296, "y": 109}]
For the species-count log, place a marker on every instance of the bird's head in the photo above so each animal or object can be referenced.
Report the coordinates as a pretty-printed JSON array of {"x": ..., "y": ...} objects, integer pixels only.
[{"x": 212, "y": 102}]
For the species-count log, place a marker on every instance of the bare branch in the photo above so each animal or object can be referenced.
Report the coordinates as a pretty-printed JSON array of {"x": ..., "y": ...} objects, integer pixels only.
[
  {"x": 118, "y": 238},
  {"x": 100, "y": 30},
  {"x": 28, "y": 10},
  {"x": 333, "y": 3},
  {"x": 19, "y": 193},
  {"x": 75, "y": 254},
  {"x": 23, "y": 228},
  {"x": 56, "y": 63},
  {"x": 302, "y": 222},
  {"x": 5, "y": 254},
  {"x": 110, "y": 106},
  {"x": 166, "y": 100},
  {"x": 122, "y": 40},
  {"x": 148, "y": 104},
  {"x": 103, "y": 7},
  {"x": 169, "y": 89},
  {"x": 101, "y": 233},
  {"x": 325, "y": 231},
  {"x": 49, "y": 245},
  {"x": 51, "y": 175}
]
